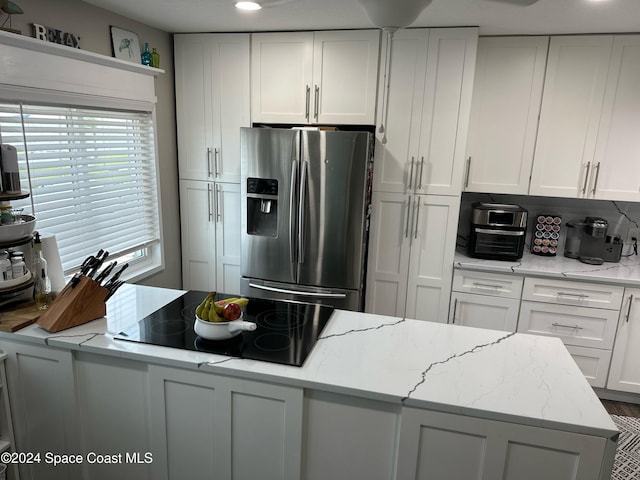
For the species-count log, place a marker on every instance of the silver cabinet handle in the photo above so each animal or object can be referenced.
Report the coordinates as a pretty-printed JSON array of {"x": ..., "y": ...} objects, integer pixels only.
[
  {"x": 580, "y": 296},
  {"x": 411, "y": 175},
  {"x": 406, "y": 228},
  {"x": 421, "y": 168},
  {"x": 210, "y": 202},
  {"x": 216, "y": 155},
  {"x": 218, "y": 204},
  {"x": 586, "y": 178},
  {"x": 316, "y": 103},
  {"x": 466, "y": 178},
  {"x": 629, "y": 309},
  {"x": 415, "y": 232},
  {"x": 595, "y": 183},
  {"x": 209, "y": 151},
  {"x": 486, "y": 285},
  {"x": 573, "y": 327},
  {"x": 455, "y": 307},
  {"x": 307, "y": 100}
]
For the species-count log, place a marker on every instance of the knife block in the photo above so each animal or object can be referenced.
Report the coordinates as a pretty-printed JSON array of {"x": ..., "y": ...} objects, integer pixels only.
[{"x": 74, "y": 306}]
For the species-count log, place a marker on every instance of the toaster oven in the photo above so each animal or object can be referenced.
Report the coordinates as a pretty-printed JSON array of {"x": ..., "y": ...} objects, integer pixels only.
[{"x": 498, "y": 231}]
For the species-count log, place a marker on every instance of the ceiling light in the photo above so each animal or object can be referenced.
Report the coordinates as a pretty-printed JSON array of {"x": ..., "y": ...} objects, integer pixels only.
[
  {"x": 393, "y": 13},
  {"x": 248, "y": 6}
]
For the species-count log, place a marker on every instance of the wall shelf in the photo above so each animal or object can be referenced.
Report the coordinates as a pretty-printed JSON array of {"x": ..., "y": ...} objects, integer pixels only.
[{"x": 21, "y": 41}]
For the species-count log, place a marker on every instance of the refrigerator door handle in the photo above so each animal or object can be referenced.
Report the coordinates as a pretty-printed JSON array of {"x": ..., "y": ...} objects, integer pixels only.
[
  {"x": 292, "y": 212},
  {"x": 301, "y": 211},
  {"x": 298, "y": 292}
]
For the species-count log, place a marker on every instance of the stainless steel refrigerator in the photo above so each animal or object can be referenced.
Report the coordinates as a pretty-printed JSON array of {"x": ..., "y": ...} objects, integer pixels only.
[{"x": 305, "y": 202}]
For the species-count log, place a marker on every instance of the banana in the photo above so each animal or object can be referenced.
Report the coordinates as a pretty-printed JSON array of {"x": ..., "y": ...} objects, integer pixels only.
[
  {"x": 242, "y": 302},
  {"x": 219, "y": 305},
  {"x": 213, "y": 315},
  {"x": 203, "y": 304}
]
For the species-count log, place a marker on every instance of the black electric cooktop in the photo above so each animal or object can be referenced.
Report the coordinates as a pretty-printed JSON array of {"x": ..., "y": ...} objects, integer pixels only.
[{"x": 285, "y": 333}]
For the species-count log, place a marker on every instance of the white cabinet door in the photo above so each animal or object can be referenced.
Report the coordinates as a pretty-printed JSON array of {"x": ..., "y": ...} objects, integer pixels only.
[
  {"x": 210, "y": 426},
  {"x": 345, "y": 73},
  {"x": 389, "y": 245},
  {"x": 43, "y": 402},
  {"x": 503, "y": 124},
  {"x": 113, "y": 400},
  {"x": 451, "y": 60},
  {"x": 483, "y": 311},
  {"x": 617, "y": 157},
  {"x": 399, "y": 112},
  {"x": 198, "y": 229},
  {"x": 424, "y": 111},
  {"x": 281, "y": 77},
  {"x": 439, "y": 445},
  {"x": 433, "y": 242},
  {"x": 322, "y": 77},
  {"x": 228, "y": 237},
  {"x": 212, "y": 103},
  {"x": 624, "y": 374},
  {"x": 571, "y": 109}
]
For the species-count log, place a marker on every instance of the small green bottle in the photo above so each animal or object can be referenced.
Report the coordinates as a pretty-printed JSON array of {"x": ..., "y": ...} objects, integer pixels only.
[
  {"x": 146, "y": 55},
  {"x": 155, "y": 58}
]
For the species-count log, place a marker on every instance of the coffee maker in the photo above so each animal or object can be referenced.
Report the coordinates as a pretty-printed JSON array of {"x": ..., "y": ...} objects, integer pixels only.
[{"x": 587, "y": 241}]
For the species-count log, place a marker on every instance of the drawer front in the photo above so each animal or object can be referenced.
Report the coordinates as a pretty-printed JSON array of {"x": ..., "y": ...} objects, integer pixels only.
[
  {"x": 564, "y": 292},
  {"x": 482, "y": 311},
  {"x": 579, "y": 326},
  {"x": 483, "y": 283},
  {"x": 593, "y": 362}
]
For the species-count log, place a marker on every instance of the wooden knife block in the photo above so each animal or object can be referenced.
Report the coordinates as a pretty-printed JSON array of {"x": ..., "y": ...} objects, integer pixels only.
[{"x": 74, "y": 306}]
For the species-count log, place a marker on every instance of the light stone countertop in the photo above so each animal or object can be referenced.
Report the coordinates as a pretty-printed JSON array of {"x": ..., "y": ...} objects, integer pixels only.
[
  {"x": 626, "y": 272},
  {"x": 504, "y": 376}
]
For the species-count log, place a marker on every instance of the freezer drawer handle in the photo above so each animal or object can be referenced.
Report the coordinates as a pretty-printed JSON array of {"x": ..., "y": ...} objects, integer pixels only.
[
  {"x": 297, "y": 292},
  {"x": 507, "y": 233}
]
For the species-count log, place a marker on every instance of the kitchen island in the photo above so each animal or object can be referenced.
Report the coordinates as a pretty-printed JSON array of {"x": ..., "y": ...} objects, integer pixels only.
[{"x": 378, "y": 397}]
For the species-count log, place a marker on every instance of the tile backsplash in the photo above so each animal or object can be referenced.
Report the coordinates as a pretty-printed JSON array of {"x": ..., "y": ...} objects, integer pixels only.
[{"x": 620, "y": 215}]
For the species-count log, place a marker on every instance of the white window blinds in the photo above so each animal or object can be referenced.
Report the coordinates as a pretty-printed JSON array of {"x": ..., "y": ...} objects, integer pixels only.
[{"x": 92, "y": 176}]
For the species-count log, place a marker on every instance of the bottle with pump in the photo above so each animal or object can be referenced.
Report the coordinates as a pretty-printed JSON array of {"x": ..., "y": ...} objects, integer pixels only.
[{"x": 42, "y": 285}]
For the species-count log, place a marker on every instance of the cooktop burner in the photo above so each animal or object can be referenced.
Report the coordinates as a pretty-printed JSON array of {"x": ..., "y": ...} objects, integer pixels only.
[{"x": 286, "y": 332}]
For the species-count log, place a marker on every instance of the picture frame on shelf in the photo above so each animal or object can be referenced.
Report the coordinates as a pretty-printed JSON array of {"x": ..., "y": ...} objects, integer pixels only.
[{"x": 125, "y": 45}]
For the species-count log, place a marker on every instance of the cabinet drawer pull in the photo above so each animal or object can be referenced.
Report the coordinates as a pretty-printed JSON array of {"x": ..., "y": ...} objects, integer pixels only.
[
  {"x": 307, "y": 100},
  {"x": 209, "y": 202},
  {"x": 486, "y": 285},
  {"x": 406, "y": 228},
  {"x": 216, "y": 155},
  {"x": 466, "y": 178},
  {"x": 580, "y": 296},
  {"x": 629, "y": 309},
  {"x": 421, "y": 168},
  {"x": 586, "y": 178},
  {"x": 455, "y": 307},
  {"x": 573, "y": 327},
  {"x": 415, "y": 233},
  {"x": 316, "y": 104}
]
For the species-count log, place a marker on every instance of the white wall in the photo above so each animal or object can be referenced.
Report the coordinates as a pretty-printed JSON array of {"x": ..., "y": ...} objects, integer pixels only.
[{"x": 92, "y": 25}]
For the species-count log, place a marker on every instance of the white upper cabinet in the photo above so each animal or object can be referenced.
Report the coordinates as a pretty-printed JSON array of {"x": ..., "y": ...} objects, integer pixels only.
[
  {"x": 212, "y": 103},
  {"x": 425, "y": 99},
  {"x": 504, "y": 113},
  {"x": 312, "y": 78},
  {"x": 572, "y": 103},
  {"x": 617, "y": 155}
]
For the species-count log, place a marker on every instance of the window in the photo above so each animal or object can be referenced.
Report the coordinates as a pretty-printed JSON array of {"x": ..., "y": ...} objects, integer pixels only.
[{"x": 92, "y": 177}]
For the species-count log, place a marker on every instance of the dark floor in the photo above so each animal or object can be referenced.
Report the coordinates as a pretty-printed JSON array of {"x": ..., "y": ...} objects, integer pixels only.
[{"x": 621, "y": 408}]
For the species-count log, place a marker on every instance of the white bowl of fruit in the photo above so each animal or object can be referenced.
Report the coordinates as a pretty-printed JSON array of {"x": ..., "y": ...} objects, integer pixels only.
[{"x": 222, "y": 319}]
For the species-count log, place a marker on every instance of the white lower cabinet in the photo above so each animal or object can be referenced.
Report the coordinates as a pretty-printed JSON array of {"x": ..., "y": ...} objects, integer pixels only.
[
  {"x": 207, "y": 426},
  {"x": 347, "y": 437},
  {"x": 44, "y": 408},
  {"x": 485, "y": 300},
  {"x": 483, "y": 311},
  {"x": 210, "y": 227},
  {"x": 436, "y": 445},
  {"x": 624, "y": 374},
  {"x": 411, "y": 250},
  {"x": 565, "y": 309}
]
